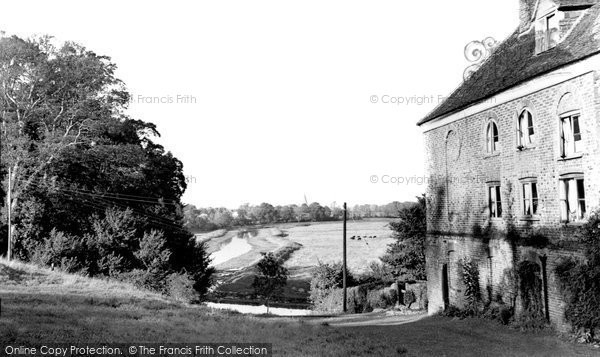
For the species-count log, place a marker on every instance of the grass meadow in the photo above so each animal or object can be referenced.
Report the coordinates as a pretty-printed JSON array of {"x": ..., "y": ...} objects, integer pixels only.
[
  {"x": 323, "y": 242},
  {"x": 318, "y": 242},
  {"x": 43, "y": 306}
]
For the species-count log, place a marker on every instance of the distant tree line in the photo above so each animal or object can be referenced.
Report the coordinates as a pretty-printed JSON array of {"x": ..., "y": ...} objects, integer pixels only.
[
  {"x": 91, "y": 192},
  {"x": 207, "y": 219}
]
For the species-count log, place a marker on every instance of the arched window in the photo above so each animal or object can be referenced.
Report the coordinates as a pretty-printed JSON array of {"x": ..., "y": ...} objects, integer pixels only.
[
  {"x": 491, "y": 137},
  {"x": 526, "y": 132}
]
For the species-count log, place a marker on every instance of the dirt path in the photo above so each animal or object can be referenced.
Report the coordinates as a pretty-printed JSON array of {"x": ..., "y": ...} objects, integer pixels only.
[{"x": 369, "y": 319}]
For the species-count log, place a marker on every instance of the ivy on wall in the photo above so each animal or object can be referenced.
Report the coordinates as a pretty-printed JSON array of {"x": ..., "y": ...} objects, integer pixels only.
[
  {"x": 580, "y": 281},
  {"x": 470, "y": 277}
]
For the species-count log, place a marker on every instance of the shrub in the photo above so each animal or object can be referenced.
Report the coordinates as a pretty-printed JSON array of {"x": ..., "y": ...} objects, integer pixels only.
[
  {"x": 327, "y": 277},
  {"x": 330, "y": 301},
  {"x": 377, "y": 273},
  {"x": 197, "y": 265},
  {"x": 409, "y": 298},
  {"x": 117, "y": 248},
  {"x": 499, "y": 312},
  {"x": 531, "y": 321},
  {"x": 111, "y": 264},
  {"x": 62, "y": 251},
  {"x": 580, "y": 280},
  {"x": 144, "y": 279},
  {"x": 382, "y": 299},
  {"x": 113, "y": 241},
  {"x": 505, "y": 314},
  {"x": 357, "y": 299},
  {"x": 153, "y": 253},
  {"x": 181, "y": 288},
  {"x": 453, "y": 311}
]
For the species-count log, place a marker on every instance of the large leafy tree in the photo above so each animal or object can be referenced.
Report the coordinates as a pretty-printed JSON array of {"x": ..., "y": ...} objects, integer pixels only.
[
  {"x": 406, "y": 256},
  {"x": 264, "y": 213},
  {"x": 74, "y": 154},
  {"x": 51, "y": 100}
]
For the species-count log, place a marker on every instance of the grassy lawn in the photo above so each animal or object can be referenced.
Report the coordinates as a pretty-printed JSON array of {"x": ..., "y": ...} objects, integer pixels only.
[{"x": 43, "y": 306}]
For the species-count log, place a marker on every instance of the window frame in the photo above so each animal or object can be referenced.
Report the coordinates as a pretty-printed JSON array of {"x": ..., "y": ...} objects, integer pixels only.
[
  {"x": 567, "y": 214},
  {"x": 492, "y": 139},
  {"x": 533, "y": 199},
  {"x": 494, "y": 198},
  {"x": 571, "y": 146},
  {"x": 550, "y": 43},
  {"x": 527, "y": 140},
  {"x": 547, "y": 28}
]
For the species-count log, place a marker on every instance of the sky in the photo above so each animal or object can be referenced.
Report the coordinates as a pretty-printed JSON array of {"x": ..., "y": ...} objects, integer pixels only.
[{"x": 275, "y": 100}]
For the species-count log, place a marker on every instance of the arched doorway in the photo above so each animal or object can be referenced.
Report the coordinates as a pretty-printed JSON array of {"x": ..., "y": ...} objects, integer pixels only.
[{"x": 531, "y": 289}]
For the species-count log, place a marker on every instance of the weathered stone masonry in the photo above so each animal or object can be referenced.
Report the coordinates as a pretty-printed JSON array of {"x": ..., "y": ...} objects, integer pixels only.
[
  {"x": 549, "y": 66},
  {"x": 458, "y": 200}
]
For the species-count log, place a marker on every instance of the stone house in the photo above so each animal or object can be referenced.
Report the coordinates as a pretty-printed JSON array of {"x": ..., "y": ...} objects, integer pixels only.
[{"x": 513, "y": 156}]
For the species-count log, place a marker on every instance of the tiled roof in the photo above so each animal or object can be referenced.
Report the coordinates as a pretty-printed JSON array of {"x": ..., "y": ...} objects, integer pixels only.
[{"x": 514, "y": 62}]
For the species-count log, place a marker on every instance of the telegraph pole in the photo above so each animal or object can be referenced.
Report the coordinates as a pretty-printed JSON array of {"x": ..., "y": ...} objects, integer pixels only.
[
  {"x": 8, "y": 205},
  {"x": 344, "y": 261}
]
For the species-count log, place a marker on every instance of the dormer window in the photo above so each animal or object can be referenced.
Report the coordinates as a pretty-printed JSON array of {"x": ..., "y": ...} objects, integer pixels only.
[
  {"x": 547, "y": 32},
  {"x": 552, "y": 30}
]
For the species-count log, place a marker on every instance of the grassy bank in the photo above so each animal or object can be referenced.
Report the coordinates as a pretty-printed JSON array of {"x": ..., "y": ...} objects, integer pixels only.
[{"x": 43, "y": 306}]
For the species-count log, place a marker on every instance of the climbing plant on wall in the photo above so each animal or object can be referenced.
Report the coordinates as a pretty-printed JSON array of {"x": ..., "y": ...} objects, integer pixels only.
[
  {"x": 580, "y": 281},
  {"x": 470, "y": 277},
  {"x": 530, "y": 291}
]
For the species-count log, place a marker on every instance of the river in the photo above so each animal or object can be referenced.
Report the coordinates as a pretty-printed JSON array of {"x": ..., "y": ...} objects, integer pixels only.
[
  {"x": 257, "y": 310},
  {"x": 235, "y": 248}
]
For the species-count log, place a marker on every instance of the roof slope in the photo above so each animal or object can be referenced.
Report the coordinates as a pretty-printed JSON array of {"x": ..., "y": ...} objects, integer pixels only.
[{"x": 514, "y": 62}]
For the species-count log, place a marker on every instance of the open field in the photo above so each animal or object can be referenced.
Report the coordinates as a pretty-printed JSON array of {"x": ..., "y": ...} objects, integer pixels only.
[
  {"x": 323, "y": 242},
  {"x": 40, "y": 306},
  {"x": 312, "y": 242}
]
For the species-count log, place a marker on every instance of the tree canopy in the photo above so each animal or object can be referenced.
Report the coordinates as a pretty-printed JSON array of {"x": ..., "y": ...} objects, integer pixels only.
[
  {"x": 406, "y": 256},
  {"x": 270, "y": 279},
  {"x": 80, "y": 165}
]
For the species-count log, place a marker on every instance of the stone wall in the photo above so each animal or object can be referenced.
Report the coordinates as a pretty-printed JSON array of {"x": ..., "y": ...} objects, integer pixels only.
[{"x": 460, "y": 171}]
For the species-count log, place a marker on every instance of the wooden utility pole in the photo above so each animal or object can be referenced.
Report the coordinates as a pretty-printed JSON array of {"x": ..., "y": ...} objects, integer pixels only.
[
  {"x": 8, "y": 205},
  {"x": 344, "y": 261}
]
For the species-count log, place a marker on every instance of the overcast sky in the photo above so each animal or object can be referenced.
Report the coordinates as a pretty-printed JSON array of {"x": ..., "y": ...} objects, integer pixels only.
[{"x": 269, "y": 101}]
